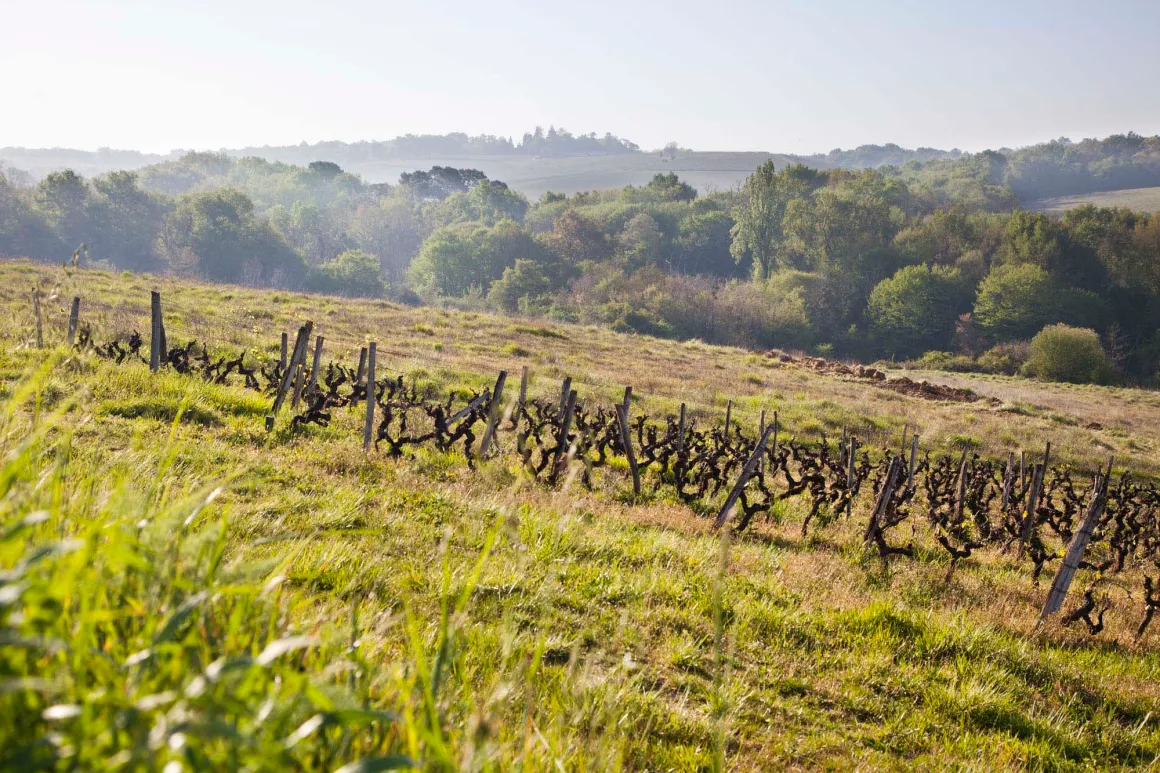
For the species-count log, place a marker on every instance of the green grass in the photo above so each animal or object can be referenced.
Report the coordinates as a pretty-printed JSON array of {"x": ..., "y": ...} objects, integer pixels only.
[{"x": 482, "y": 621}]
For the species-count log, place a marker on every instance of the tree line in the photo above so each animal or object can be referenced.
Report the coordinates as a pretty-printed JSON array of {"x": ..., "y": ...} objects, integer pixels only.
[{"x": 931, "y": 262}]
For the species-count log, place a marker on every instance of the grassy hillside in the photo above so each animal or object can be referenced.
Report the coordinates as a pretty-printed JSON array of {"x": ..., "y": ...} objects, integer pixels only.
[
  {"x": 504, "y": 624},
  {"x": 1140, "y": 199}
]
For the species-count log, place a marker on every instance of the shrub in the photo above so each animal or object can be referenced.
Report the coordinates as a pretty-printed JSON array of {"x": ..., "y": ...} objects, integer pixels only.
[
  {"x": 1005, "y": 358},
  {"x": 948, "y": 361},
  {"x": 353, "y": 273},
  {"x": 1063, "y": 353}
]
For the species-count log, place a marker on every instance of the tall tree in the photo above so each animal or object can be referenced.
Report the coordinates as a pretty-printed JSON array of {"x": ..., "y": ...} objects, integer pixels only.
[{"x": 758, "y": 231}]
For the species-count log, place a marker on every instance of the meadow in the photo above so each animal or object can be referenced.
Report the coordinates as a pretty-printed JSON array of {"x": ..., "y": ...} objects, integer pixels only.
[
  {"x": 212, "y": 596},
  {"x": 1140, "y": 199}
]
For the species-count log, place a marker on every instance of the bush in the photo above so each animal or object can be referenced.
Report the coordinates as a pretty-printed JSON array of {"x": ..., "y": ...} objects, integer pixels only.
[
  {"x": 353, "y": 273},
  {"x": 1063, "y": 353},
  {"x": 948, "y": 361},
  {"x": 1005, "y": 358}
]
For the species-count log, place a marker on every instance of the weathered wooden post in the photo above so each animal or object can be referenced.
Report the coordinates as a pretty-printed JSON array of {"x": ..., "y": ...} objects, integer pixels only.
[
  {"x": 627, "y": 398},
  {"x": 519, "y": 410},
  {"x": 39, "y": 322},
  {"x": 282, "y": 359},
  {"x": 287, "y": 381},
  {"x": 565, "y": 390},
  {"x": 1079, "y": 543},
  {"x": 155, "y": 331},
  {"x": 74, "y": 318},
  {"x": 728, "y": 416},
  {"x": 913, "y": 459},
  {"x": 850, "y": 476},
  {"x": 316, "y": 366},
  {"x": 743, "y": 478},
  {"x": 492, "y": 413},
  {"x": 368, "y": 428},
  {"x": 565, "y": 427},
  {"x": 299, "y": 378},
  {"x": 626, "y": 441},
  {"x": 358, "y": 376},
  {"x": 760, "y": 430},
  {"x": 1008, "y": 479},
  {"x": 681, "y": 432}
]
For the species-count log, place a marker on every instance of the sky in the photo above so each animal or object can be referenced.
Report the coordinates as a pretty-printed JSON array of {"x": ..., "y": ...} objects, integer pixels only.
[{"x": 794, "y": 77}]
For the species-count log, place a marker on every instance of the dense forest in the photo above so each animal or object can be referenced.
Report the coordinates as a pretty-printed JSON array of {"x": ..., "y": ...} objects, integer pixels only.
[{"x": 932, "y": 260}]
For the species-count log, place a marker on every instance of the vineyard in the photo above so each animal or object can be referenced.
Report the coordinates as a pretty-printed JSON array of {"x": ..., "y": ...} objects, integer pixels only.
[
  {"x": 1035, "y": 510},
  {"x": 626, "y": 579}
]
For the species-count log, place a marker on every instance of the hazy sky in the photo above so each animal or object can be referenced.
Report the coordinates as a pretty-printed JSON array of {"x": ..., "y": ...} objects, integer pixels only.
[{"x": 720, "y": 75}]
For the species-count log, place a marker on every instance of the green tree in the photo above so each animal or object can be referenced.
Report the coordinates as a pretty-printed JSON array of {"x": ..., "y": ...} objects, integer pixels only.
[
  {"x": 758, "y": 234},
  {"x": 63, "y": 199},
  {"x": 1015, "y": 301},
  {"x": 523, "y": 287},
  {"x": 216, "y": 234},
  {"x": 466, "y": 256},
  {"x": 125, "y": 221},
  {"x": 915, "y": 310}
]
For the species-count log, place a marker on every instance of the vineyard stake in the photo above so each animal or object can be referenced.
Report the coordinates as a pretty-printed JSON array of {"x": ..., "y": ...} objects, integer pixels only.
[
  {"x": 681, "y": 432},
  {"x": 155, "y": 331},
  {"x": 39, "y": 323},
  {"x": 728, "y": 413},
  {"x": 299, "y": 377},
  {"x": 492, "y": 413},
  {"x": 565, "y": 426},
  {"x": 288, "y": 377},
  {"x": 371, "y": 397},
  {"x": 565, "y": 390},
  {"x": 850, "y": 476},
  {"x": 743, "y": 478},
  {"x": 1079, "y": 543},
  {"x": 913, "y": 458},
  {"x": 74, "y": 317},
  {"x": 626, "y": 441},
  {"x": 627, "y": 398},
  {"x": 282, "y": 359},
  {"x": 1008, "y": 475},
  {"x": 317, "y": 364},
  {"x": 760, "y": 430}
]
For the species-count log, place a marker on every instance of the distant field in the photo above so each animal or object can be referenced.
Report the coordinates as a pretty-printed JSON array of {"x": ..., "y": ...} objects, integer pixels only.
[{"x": 1145, "y": 199}]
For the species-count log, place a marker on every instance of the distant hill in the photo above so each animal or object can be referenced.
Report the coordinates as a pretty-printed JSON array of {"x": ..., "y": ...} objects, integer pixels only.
[{"x": 555, "y": 160}]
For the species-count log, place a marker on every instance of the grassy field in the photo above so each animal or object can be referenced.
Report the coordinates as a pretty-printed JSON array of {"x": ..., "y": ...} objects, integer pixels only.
[
  {"x": 1143, "y": 199},
  {"x": 481, "y": 621}
]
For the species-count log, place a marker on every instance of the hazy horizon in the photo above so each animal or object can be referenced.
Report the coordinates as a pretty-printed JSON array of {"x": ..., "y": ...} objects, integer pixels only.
[{"x": 742, "y": 76}]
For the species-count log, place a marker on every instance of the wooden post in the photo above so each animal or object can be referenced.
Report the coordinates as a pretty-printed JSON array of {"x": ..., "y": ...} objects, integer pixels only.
[
  {"x": 627, "y": 398},
  {"x": 913, "y": 459},
  {"x": 565, "y": 390},
  {"x": 743, "y": 478},
  {"x": 39, "y": 322},
  {"x": 74, "y": 318},
  {"x": 492, "y": 413},
  {"x": 299, "y": 377},
  {"x": 850, "y": 476},
  {"x": 565, "y": 426},
  {"x": 728, "y": 414},
  {"x": 282, "y": 359},
  {"x": 523, "y": 399},
  {"x": 1032, "y": 505},
  {"x": 1008, "y": 479},
  {"x": 368, "y": 428},
  {"x": 1079, "y": 543},
  {"x": 681, "y": 432},
  {"x": 317, "y": 364},
  {"x": 288, "y": 377},
  {"x": 155, "y": 331},
  {"x": 362, "y": 366},
  {"x": 626, "y": 441},
  {"x": 760, "y": 432}
]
